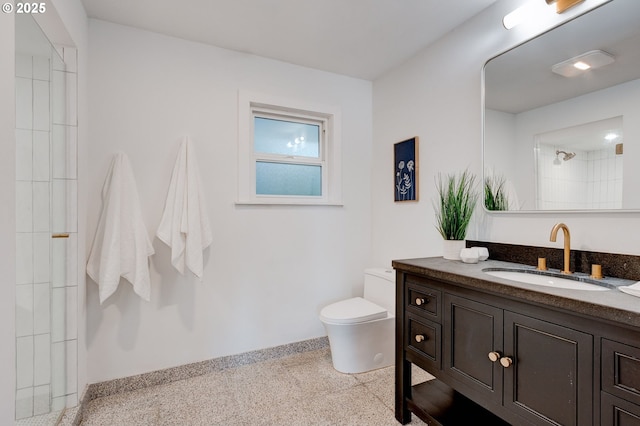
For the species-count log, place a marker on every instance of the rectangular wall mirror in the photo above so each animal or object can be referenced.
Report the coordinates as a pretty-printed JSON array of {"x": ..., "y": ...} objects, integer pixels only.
[{"x": 557, "y": 138}]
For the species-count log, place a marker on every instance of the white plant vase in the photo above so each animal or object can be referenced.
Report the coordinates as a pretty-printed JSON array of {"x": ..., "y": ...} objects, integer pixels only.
[{"x": 452, "y": 249}]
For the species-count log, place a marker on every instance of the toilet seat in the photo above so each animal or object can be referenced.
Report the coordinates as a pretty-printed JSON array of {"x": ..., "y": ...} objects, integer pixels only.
[{"x": 352, "y": 311}]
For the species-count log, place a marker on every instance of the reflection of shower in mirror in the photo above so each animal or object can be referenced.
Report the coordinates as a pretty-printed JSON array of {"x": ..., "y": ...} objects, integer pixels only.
[{"x": 565, "y": 157}]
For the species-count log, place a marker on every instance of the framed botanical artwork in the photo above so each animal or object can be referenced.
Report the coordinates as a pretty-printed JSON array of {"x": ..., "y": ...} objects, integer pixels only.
[{"x": 405, "y": 159}]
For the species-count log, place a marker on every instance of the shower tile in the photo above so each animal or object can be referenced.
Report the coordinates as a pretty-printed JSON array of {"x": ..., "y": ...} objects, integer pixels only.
[
  {"x": 71, "y": 314},
  {"x": 65, "y": 98},
  {"x": 72, "y": 99},
  {"x": 64, "y": 259},
  {"x": 24, "y": 103},
  {"x": 41, "y": 113},
  {"x": 64, "y": 147},
  {"x": 41, "y": 207},
  {"x": 65, "y": 205},
  {"x": 42, "y": 359},
  {"x": 58, "y": 93},
  {"x": 58, "y": 403},
  {"x": 24, "y": 258},
  {"x": 24, "y": 206},
  {"x": 41, "y": 400},
  {"x": 58, "y": 316},
  {"x": 58, "y": 367},
  {"x": 24, "y": 403},
  {"x": 24, "y": 155},
  {"x": 64, "y": 360},
  {"x": 70, "y": 55},
  {"x": 41, "y": 68},
  {"x": 24, "y": 362},
  {"x": 41, "y": 257},
  {"x": 72, "y": 371},
  {"x": 41, "y": 308},
  {"x": 57, "y": 61},
  {"x": 23, "y": 66},
  {"x": 65, "y": 401},
  {"x": 611, "y": 168},
  {"x": 24, "y": 310},
  {"x": 64, "y": 317},
  {"x": 41, "y": 156}
]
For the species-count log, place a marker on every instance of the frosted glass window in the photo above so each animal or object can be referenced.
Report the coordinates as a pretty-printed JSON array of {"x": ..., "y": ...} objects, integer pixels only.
[
  {"x": 274, "y": 136},
  {"x": 288, "y": 179},
  {"x": 288, "y": 153}
]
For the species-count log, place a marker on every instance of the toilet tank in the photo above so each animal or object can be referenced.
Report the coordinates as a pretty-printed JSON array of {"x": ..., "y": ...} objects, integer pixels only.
[{"x": 380, "y": 287}]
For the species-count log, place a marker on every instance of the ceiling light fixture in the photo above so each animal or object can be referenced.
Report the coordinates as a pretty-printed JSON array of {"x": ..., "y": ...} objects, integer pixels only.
[
  {"x": 531, "y": 10},
  {"x": 587, "y": 61},
  {"x": 534, "y": 9},
  {"x": 562, "y": 5}
]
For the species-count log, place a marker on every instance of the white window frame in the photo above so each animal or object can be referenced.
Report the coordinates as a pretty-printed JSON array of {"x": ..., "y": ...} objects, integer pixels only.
[{"x": 251, "y": 105}]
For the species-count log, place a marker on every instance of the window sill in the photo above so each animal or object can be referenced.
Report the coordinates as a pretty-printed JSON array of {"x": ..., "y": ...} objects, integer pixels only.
[{"x": 272, "y": 202}]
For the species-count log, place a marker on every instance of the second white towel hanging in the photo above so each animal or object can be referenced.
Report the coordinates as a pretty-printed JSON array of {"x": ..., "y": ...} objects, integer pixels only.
[{"x": 185, "y": 224}]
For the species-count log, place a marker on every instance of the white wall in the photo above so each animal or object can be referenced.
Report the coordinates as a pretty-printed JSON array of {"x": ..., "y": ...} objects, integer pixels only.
[
  {"x": 270, "y": 268},
  {"x": 7, "y": 219},
  {"x": 437, "y": 96}
]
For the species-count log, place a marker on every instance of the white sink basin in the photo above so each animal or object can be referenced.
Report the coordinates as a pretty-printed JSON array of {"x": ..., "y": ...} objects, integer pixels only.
[{"x": 544, "y": 280}]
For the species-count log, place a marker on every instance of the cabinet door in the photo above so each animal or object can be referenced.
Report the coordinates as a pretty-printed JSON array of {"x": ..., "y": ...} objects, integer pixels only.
[
  {"x": 550, "y": 380},
  {"x": 472, "y": 331}
]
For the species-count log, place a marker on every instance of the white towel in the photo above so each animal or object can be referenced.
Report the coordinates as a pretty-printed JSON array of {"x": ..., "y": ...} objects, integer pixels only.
[
  {"x": 633, "y": 289},
  {"x": 185, "y": 226},
  {"x": 121, "y": 246}
]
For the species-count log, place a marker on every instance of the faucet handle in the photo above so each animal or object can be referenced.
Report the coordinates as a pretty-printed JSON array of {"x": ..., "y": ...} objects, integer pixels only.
[
  {"x": 596, "y": 271},
  {"x": 542, "y": 264}
]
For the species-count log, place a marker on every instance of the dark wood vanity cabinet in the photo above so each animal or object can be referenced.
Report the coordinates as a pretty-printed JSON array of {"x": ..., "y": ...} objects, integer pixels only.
[
  {"x": 539, "y": 370},
  {"x": 507, "y": 362}
]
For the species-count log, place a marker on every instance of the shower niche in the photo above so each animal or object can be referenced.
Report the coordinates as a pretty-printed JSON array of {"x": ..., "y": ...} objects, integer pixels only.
[
  {"x": 580, "y": 167},
  {"x": 46, "y": 303}
]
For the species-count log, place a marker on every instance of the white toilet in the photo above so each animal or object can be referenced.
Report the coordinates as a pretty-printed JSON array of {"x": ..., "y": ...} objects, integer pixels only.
[{"x": 361, "y": 331}]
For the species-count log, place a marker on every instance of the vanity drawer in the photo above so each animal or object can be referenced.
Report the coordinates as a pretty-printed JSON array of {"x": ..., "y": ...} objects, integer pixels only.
[
  {"x": 618, "y": 412},
  {"x": 621, "y": 370},
  {"x": 423, "y": 337},
  {"x": 422, "y": 299}
]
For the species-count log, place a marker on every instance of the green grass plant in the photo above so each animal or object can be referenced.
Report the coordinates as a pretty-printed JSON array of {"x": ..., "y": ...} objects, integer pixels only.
[
  {"x": 457, "y": 201},
  {"x": 495, "y": 196}
]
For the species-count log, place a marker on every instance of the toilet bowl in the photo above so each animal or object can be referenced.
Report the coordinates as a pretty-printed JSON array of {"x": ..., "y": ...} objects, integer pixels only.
[{"x": 361, "y": 330}]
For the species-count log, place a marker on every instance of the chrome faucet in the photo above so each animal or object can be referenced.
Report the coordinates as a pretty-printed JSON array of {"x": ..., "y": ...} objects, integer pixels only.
[{"x": 567, "y": 244}]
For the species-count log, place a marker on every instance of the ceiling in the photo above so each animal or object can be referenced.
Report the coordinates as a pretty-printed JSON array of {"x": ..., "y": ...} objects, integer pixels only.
[{"x": 358, "y": 38}]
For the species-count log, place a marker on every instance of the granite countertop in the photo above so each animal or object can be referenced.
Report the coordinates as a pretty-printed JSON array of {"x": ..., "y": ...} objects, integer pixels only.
[{"x": 612, "y": 304}]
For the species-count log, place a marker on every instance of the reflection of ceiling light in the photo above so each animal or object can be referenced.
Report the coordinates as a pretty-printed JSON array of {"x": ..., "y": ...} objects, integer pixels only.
[
  {"x": 590, "y": 60},
  {"x": 582, "y": 66},
  {"x": 611, "y": 136}
]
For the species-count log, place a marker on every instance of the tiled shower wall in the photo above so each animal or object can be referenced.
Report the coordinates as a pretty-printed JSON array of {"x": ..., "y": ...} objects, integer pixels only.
[
  {"x": 590, "y": 180},
  {"x": 46, "y": 205}
]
